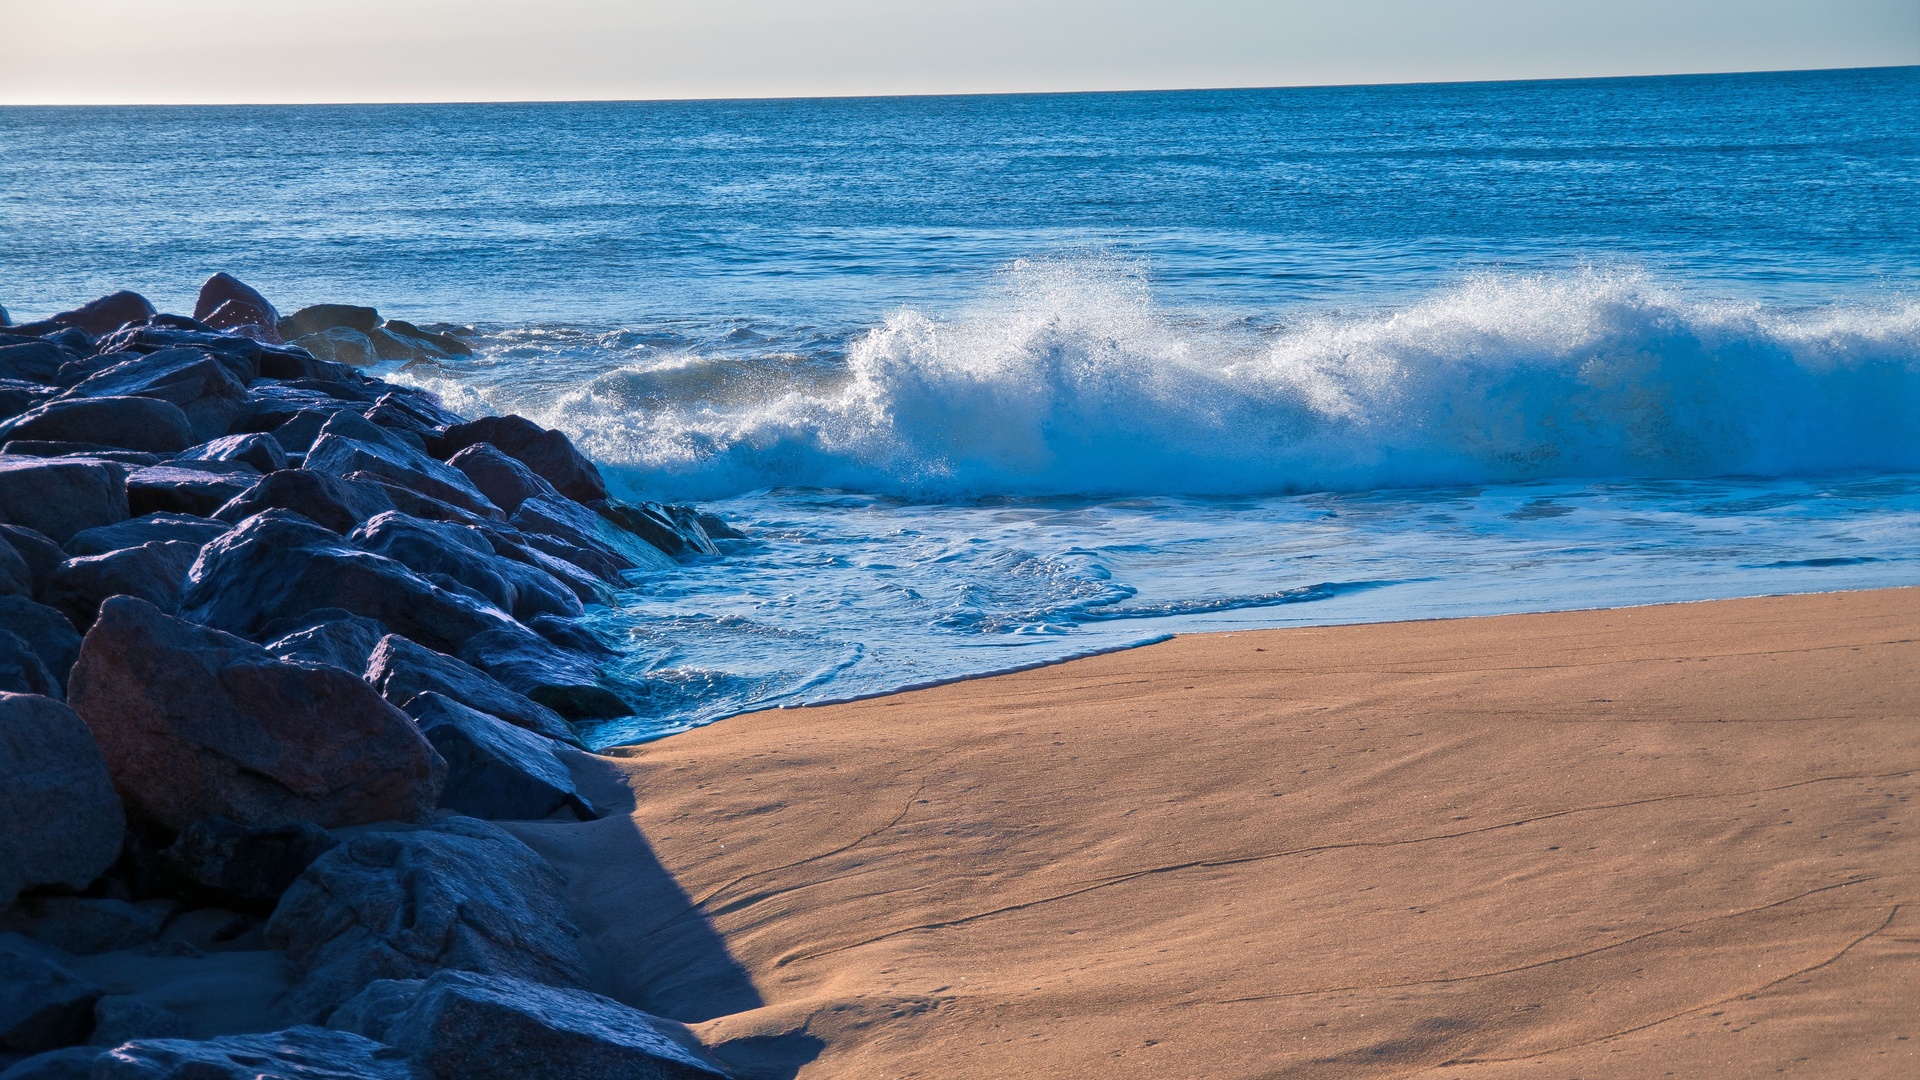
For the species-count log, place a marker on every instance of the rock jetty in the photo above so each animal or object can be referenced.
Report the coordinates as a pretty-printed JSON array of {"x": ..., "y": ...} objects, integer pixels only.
[{"x": 278, "y": 640}]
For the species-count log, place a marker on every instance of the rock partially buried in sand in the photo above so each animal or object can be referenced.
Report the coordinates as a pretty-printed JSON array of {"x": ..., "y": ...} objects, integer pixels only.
[
  {"x": 301, "y": 1053},
  {"x": 403, "y": 904},
  {"x": 196, "y": 723},
  {"x": 58, "y": 498},
  {"x": 84, "y": 925},
  {"x": 42, "y": 1004},
  {"x": 462, "y": 1026},
  {"x": 53, "y": 775}
]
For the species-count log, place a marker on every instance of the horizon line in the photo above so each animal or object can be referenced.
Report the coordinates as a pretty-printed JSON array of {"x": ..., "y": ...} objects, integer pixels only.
[{"x": 936, "y": 94}]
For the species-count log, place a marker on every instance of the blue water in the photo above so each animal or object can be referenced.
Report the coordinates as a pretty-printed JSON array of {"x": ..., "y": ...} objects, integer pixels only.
[{"x": 997, "y": 380}]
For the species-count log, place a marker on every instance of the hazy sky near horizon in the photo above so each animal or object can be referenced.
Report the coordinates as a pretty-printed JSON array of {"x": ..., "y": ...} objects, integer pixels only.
[{"x": 164, "y": 51}]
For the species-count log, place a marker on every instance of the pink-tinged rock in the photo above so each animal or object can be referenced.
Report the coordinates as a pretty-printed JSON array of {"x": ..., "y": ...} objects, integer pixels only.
[
  {"x": 226, "y": 302},
  {"x": 107, "y": 314},
  {"x": 196, "y": 723}
]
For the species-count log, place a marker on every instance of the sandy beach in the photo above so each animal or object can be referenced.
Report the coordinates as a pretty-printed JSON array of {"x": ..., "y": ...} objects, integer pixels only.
[{"x": 1655, "y": 841}]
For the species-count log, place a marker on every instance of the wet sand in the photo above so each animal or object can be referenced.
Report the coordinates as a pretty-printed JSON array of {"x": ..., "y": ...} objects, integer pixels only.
[{"x": 1655, "y": 841}]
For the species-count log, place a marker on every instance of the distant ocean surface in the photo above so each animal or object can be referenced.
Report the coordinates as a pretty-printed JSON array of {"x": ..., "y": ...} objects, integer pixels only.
[{"x": 992, "y": 381}]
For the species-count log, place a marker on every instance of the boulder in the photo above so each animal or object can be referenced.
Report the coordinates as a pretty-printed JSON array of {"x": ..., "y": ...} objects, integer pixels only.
[
  {"x": 196, "y": 723},
  {"x": 411, "y": 413},
  {"x": 37, "y": 448},
  {"x": 222, "y": 863},
  {"x": 319, "y": 317},
  {"x": 17, "y": 397},
  {"x": 22, "y": 671},
  {"x": 155, "y": 572},
  {"x": 582, "y": 529},
  {"x": 33, "y": 361},
  {"x": 300, "y": 1053},
  {"x": 495, "y": 770},
  {"x": 262, "y": 452},
  {"x": 462, "y": 1025},
  {"x": 42, "y": 555},
  {"x": 16, "y": 577},
  {"x": 340, "y": 344},
  {"x": 71, "y": 1063},
  {"x": 84, "y": 925},
  {"x": 196, "y": 380},
  {"x": 180, "y": 489},
  {"x": 122, "y": 1018},
  {"x": 329, "y": 636},
  {"x": 107, "y": 314},
  {"x": 536, "y": 592},
  {"x": 444, "y": 344},
  {"x": 570, "y": 635},
  {"x": 145, "y": 529},
  {"x": 401, "y": 669},
  {"x": 503, "y": 480},
  {"x": 424, "y": 507},
  {"x": 43, "y": 1006},
  {"x": 129, "y": 423},
  {"x": 278, "y": 565},
  {"x": 334, "y": 502},
  {"x": 226, "y": 301},
  {"x": 402, "y": 904},
  {"x": 529, "y": 664},
  {"x": 297, "y": 434},
  {"x": 241, "y": 356},
  {"x": 349, "y": 444},
  {"x": 59, "y": 497},
  {"x": 548, "y": 453},
  {"x": 53, "y": 774},
  {"x": 429, "y": 548},
  {"x": 675, "y": 530},
  {"x": 49, "y": 633},
  {"x": 586, "y": 587}
]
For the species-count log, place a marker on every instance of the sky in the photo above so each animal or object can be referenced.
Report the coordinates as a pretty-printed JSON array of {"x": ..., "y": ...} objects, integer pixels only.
[{"x": 229, "y": 51}]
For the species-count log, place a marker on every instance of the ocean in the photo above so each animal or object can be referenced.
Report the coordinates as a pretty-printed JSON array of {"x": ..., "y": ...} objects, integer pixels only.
[{"x": 993, "y": 381}]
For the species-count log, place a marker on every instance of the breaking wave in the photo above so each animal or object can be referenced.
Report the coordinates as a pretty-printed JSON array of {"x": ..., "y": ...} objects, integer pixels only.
[{"x": 1070, "y": 379}]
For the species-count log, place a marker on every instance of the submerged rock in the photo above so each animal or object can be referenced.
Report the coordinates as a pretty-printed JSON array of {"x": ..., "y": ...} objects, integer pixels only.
[
  {"x": 196, "y": 723},
  {"x": 401, "y": 669},
  {"x": 402, "y": 904},
  {"x": 495, "y": 770},
  {"x": 131, "y": 423},
  {"x": 59, "y": 497},
  {"x": 487, "y": 1027},
  {"x": 54, "y": 775}
]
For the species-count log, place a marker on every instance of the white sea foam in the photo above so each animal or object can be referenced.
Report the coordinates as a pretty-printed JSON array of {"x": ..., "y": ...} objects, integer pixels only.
[{"x": 1069, "y": 379}]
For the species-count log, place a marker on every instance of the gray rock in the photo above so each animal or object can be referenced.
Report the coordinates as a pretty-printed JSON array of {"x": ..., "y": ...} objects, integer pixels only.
[
  {"x": 196, "y": 723},
  {"x": 41, "y": 555},
  {"x": 33, "y": 361},
  {"x": 107, "y": 314},
  {"x": 335, "y": 636},
  {"x": 548, "y": 453},
  {"x": 122, "y": 1018},
  {"x": 155, "y": 572},
  {"x": 336, "y": 503},
  {"x": 429, "y": 548},
  {"x": 52, "y": 773},
  {"x": 529, "y": 664},
  {"x": 502, "y": 479},
  {"x": 350, "y": 444},
  {"x": 16, "y": 577},
  {"x": 319, "y": 317},
  {"x": 402, "y": 904},
  {"x": 18, "y": 396},
  {"x": 442, "y": 344},
  {"x": 84, "y": 925},
  {"x": 536, "y": 592},
  {"x": 22, "y": 671},
  {"x": 46, "y": 631},
  {"x": 60, "y": 496},
  {"x": 340, "y": 344},
  {"x": 262, "y": 452},
  {"x": 463, "y": 1026},
  {"x": 580, "y": 527},
  {"x": 278, "y": 565},
  {"x": 223, "y": 863},
  {"x": 43, "y": 1006},
  {"x": 195, "y": 379},
  {"x": 145, "y": 529},
  {"x": 401, "y": 669},
  {"x": 72, "y": 1063},
  {"x": 676, "y": 530},
  {"x": 586, "y": 587},
  {"x": 132, "y": 423},
  {"x": 495, "y": 770},
  {"x": 300, "y": 1053},
  {"x": 179, "y": 489}
]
